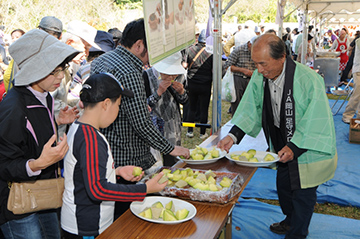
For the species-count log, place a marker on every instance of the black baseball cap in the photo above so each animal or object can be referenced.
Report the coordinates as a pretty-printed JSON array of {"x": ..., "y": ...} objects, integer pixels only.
[{"x": 100, "y": 86}]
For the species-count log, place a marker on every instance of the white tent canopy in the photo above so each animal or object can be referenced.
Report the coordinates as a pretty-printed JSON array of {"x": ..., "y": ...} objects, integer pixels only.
[
  {"x": 341, "y": 17},
  {"x": 335, "y": 6},
  {"x": 330, "y": 10}
]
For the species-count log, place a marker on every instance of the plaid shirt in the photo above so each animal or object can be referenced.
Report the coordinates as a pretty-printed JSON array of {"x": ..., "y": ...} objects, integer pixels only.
[
  {"x": 132, "y": 133},
  {"x": 240, "y": 57}
]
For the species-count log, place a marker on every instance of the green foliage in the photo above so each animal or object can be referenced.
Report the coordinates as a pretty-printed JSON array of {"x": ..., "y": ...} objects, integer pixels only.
[
  {"x": 256, "y": 17},
  {"x": 104, "y": 14},
  {"x": 292, "y": 17},
  {"x": 250, "y": 10},
  {"x": 129, "y": 4},
  {"x": 123, "y": 2},
  {"x": 101, "y": 14}
]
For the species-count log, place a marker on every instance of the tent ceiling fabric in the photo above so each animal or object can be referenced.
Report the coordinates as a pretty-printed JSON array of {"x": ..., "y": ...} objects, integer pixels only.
[
  {"x": 345, "y": 17},
  {"x": 343, "y": 7}
]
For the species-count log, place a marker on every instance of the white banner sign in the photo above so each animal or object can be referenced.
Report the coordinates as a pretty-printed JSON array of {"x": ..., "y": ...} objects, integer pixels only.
[
  {"x": 169, "y": 25},
  {"x": 301, "y": 19}
]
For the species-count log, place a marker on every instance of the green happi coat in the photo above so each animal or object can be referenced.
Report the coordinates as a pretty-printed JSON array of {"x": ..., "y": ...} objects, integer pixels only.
[{"x": 314, "y": 125}]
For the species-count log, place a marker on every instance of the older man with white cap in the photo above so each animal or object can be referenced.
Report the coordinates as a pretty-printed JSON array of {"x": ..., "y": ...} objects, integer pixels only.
[
  {"x": 242, "y": 66},
  {"x": 80, "y": 36},
  {"x": 245, "y": 35},
  {"x": 28, "y": 147},
  {"x": 86, "y": 32}
]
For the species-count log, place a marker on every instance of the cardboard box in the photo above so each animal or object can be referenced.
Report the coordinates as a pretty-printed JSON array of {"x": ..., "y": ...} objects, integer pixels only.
[{"x": 354, "y": 132}]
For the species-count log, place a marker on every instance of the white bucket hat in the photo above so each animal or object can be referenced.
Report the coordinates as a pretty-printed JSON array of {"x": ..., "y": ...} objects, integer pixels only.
[
  {"x": 84, "y": 31},
  {"x": 37, "y": 54},
  {"x": 171, "y": 65}
]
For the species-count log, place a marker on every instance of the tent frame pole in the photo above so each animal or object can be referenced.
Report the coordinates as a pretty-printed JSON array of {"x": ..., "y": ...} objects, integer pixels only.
[{"x": 217, "y": 67}]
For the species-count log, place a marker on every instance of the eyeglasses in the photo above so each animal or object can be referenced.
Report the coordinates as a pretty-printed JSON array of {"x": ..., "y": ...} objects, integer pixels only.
[{"x": 57, "y": 72}]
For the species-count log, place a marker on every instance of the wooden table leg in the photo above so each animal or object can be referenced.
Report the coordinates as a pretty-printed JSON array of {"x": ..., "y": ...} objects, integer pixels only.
[{"x": 228, "y": 227}]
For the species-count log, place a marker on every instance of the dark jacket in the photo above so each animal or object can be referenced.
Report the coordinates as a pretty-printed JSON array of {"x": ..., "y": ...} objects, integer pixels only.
[
  {"x": 20, "y": 109},
  {"x": 200, "y": 71}
]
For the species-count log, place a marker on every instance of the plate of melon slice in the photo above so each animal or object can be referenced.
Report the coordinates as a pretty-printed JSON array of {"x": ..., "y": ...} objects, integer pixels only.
[
  {"x": 253, "y": 158},
  {"x": 163, "y": 210},
  {"x": 201, "y": 155}
]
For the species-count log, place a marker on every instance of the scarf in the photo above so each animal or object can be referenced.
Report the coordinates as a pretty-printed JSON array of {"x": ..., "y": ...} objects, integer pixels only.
[{"x": 280, "y": 137}]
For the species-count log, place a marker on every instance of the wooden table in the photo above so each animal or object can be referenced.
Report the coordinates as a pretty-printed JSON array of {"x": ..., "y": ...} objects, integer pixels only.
[{"x": 210, "y": 218}]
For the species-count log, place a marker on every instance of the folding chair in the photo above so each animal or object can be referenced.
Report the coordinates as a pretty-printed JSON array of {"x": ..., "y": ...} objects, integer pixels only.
[{"x": 347, "y": 91}]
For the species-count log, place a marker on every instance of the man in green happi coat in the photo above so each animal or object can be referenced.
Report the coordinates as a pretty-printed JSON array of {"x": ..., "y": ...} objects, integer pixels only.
[{"x": 288, "y": 100}]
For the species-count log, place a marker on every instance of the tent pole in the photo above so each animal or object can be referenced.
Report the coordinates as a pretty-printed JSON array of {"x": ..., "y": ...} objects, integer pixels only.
[
  {"x": 281, "y": 8},
  {"x": 217, "y": 67},
  {"x": 316, "y": 40},
  {"x": 305, "y": 34},
  {"x": 296, "y": 8},
  {"x": 228, "y": 6},
  {"x": 321, "y": 43}
]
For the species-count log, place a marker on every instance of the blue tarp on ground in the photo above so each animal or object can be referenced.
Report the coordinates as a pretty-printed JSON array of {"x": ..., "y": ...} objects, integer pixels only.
[
  {"x": 253, "y": 219},
  {"x": 343, "y": 189}
]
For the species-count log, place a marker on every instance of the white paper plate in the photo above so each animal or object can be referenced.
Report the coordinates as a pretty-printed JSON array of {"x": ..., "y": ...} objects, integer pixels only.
[
  {"x": 138, "y": 207},
  {"x": 259, "y": 155},
  {"x": 204, "y": 161}
]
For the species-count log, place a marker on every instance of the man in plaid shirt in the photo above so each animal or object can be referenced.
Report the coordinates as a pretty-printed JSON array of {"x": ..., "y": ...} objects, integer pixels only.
[
  {"x": 242, "y": 66},
  {"x": 133, "y": 133}
]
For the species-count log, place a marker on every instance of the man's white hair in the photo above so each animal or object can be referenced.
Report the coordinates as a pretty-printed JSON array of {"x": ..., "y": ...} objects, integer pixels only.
[{"x": 68, "y": 36}]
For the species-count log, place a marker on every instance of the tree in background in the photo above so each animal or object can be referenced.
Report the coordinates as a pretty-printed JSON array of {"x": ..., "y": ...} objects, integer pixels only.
[
  {"x": 244, "y": 10},
  {"x": 129, "y": 4},
  {"x": 102, "y": 14},
  {"x": 105, "y": 14}
]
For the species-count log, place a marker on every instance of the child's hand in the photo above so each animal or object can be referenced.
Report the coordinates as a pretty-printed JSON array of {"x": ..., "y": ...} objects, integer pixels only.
[
  {"x": 152, "y": 186},
  {"x": 126, "y": 173}
]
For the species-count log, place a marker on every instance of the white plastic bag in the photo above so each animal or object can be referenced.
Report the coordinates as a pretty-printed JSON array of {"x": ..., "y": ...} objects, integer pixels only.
[
  {"x": 159, "y": 161},
  {"x": 228, "y": 92}
]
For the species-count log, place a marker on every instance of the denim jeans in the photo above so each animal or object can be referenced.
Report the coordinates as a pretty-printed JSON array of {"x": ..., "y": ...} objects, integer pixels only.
[{"x": 37, "y": 225}]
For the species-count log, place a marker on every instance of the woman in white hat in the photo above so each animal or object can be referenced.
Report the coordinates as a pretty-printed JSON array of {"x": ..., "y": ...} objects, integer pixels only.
[
  {"x": 28, "y": 147},
  {"x": 165, "y": 91}
]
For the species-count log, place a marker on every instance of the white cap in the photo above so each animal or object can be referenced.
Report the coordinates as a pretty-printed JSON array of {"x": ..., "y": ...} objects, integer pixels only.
[
  {"x": 171, "y": 65},
  {"x": 84, "y": 31}
]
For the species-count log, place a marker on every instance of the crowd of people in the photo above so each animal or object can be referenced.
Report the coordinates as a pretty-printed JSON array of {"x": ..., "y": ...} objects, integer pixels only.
[
  {"x": 85, "y": 97},
  {"x": 340, "y": 40},
  {"x": 64, "y": 101}
]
